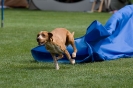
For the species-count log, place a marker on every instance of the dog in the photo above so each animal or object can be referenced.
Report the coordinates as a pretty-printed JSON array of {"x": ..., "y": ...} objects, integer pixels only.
[{"x": 56, "y": 41}]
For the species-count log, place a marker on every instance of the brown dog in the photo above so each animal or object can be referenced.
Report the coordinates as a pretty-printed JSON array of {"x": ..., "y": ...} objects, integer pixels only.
[{"x": 56, "y": 42}]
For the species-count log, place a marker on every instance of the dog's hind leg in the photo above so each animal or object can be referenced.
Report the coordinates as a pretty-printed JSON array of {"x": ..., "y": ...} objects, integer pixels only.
[
  {"x": 72, "y": 42},
  {"x": 55, "y": 62},
  {"x": 69, "y": 57},
  {"x": 74, "y": 50}
]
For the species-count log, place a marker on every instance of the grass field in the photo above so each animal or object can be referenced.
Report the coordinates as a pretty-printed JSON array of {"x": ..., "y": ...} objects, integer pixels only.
[{"x": 17, "y": 66}]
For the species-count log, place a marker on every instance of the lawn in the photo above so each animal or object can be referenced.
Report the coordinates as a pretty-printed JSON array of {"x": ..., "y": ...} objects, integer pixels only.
[{"x": 17, "y": 66}]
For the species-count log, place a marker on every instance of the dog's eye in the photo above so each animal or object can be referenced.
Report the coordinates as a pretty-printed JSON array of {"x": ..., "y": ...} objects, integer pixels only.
[
  {"x": 43, "y": 35},
  {"x": 38, "y": 35}
]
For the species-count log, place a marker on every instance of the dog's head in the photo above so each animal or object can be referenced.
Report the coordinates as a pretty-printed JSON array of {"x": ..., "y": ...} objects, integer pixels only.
[{"x": 44, "y": 37}]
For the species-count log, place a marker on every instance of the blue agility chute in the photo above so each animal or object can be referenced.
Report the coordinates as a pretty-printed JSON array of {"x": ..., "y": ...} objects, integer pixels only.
[{"x": 109, "y": 42}]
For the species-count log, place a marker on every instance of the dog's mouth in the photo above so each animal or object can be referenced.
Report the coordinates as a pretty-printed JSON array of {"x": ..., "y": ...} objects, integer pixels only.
[{"x": 41, "y": 43}]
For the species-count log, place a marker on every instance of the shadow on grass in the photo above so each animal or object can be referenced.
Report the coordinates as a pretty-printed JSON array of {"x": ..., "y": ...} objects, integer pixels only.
[
  {"x": 35, "y": 65},
  {"x": 38, "y": 67},
  {"x": 34, "y": 61}
]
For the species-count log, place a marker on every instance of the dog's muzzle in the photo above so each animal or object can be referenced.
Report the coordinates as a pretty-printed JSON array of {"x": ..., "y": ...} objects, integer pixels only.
[{"x": 39, "y": 43}]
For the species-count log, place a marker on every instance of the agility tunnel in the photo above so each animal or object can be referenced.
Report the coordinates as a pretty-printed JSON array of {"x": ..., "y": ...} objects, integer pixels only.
[{"x": 112, "y": 41}]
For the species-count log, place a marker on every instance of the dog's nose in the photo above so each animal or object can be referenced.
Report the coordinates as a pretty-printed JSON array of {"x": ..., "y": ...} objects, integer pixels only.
[{"x": 37, "y": 39}]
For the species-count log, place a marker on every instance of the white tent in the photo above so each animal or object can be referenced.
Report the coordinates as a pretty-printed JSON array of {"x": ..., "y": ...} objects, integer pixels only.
[{"x": 81, "y": 5}]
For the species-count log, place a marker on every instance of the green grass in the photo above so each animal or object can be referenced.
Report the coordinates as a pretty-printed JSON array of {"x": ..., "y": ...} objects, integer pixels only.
[{"x": 17, "y": 66}]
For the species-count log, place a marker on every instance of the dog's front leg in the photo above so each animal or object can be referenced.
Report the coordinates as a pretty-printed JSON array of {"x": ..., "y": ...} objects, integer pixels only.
[
  {"x": 60, "y": 56},
  {"x": 69, "y": 57},
  {"x": 55, "y": 62}
]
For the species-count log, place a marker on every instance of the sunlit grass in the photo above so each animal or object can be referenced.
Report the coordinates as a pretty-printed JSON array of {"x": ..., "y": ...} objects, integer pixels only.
[{"x": 17, "y": 66}]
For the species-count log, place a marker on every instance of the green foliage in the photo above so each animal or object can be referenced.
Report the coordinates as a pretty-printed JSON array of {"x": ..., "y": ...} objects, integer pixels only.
[{"x": 19, "y": 70}]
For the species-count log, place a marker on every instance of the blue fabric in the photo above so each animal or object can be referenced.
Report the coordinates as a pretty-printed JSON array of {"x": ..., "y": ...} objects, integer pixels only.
[{"x": 109, "y": 42}]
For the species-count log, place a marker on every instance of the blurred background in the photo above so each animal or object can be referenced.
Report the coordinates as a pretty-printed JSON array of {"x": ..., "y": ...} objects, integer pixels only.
[{"x": 67, "y": 5}]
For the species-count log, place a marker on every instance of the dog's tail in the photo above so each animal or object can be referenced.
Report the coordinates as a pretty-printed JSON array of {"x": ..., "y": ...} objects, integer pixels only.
[{"x": 72, "y": 33}]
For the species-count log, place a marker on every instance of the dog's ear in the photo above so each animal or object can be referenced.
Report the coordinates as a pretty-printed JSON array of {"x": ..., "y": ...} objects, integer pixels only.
[{"x": 50, "y": 36}]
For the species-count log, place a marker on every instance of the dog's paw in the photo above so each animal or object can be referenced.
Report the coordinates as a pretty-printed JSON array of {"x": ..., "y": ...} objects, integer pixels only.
[
  {"x": 73, "y": 55},
  {"x": 73, "y": 61},
  {"x": 57, "y": 67}
]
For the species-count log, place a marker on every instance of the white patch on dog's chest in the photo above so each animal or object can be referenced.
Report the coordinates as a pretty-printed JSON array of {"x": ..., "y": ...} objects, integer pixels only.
[{"x": 52, "y": 48}]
